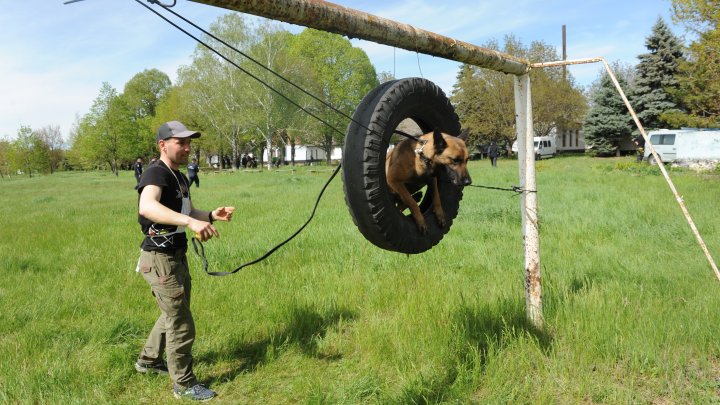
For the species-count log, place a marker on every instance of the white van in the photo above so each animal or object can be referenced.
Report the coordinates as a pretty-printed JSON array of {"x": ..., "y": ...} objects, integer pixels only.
[
  {"x": 545, "y": 147},
  {"x": 673, "y": 145}
]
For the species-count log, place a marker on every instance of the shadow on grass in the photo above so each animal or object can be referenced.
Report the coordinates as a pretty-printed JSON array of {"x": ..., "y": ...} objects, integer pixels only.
[
  {"x": 477, "y": 333},
  {"x": 492, "y": 327},
  {"x": 304, "y": 329}
]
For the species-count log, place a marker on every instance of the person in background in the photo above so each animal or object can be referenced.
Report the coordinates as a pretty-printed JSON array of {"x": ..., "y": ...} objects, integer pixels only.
[
  {"x": 640, "y": 143},
  {"x": 193, "y": 170},
  {"x": 164, "y": 211},
  {"x": 493, "y": 151},
  {"x": 138, "y": 171}
]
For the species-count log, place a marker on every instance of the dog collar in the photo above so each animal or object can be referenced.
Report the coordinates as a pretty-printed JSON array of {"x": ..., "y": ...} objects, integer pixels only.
[
  {"x": 427, "y": 162},
  {"x": 419, "y": 149}
]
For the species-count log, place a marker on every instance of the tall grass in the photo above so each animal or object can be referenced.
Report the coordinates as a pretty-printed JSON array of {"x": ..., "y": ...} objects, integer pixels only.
[{"x": 630, "y": 303}]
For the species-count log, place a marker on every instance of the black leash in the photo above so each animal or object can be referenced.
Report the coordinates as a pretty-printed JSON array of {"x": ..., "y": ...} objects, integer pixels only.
[
  {"x": 201, "y": 251},
  {"x": 516, "y": 189}
]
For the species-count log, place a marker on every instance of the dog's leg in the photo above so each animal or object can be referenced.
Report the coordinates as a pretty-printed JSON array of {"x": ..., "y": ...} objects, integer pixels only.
[
  {"x": 437, "y": 205},
  {"x": 400, "y": 189}
]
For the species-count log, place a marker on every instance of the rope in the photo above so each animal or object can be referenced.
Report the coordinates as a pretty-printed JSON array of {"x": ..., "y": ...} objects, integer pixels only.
[
  {"x": 516, "y": 189},
  {"x": 201, "y": 253}
]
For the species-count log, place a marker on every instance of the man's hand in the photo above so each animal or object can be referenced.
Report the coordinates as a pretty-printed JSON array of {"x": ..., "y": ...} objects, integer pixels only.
[
  {"x": 203, "y": 230},
  {"x": 223, "y": 214}
]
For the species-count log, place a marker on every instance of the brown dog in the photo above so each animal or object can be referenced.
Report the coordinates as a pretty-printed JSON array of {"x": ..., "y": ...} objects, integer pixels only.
[{"x": 414, "y": 163}]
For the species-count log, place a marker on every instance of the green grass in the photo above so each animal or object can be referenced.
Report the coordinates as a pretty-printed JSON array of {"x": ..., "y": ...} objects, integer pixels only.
[{"x": 631, "y": 305}]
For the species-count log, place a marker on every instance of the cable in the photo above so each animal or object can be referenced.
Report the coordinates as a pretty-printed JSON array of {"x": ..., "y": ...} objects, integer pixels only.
[
  {"x": 201, "y": 254},
  {"x": 283, "y": 78},
  {"x": 163, "y": 4},
  {"x": 418, "y": 61},
  {"x": 286, "y": 80},
  {"x": 195, "y": 242},
  {"x": 516, "y": 189},
  {"x": 242, "y": 69}
]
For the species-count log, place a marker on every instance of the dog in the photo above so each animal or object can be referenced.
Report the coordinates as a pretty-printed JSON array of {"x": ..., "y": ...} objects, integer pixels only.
[{"x": 413, "y": 163}]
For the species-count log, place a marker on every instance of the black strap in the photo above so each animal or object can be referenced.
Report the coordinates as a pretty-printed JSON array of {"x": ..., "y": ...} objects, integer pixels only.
[{"x": 201, "y": 251}]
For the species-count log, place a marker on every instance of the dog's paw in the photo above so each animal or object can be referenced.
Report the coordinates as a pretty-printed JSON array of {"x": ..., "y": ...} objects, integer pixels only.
[
  {"x": 422, "y": 226},
  {"x": 440, "y": 215}
]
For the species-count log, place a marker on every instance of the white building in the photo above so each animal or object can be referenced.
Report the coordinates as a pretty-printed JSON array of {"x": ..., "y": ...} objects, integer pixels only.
[{"x": 304, "y": 154}]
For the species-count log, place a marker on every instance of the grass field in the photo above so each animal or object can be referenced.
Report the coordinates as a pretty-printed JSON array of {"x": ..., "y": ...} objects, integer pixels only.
[{"x": 631, "y": 305}]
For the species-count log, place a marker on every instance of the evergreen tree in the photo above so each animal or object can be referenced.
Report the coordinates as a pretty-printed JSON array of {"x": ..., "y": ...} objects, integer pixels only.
[
  {"x": 655, "y": 81},
  {"x": 699, "y": 77},
  {"x": 608, "y": 120}
]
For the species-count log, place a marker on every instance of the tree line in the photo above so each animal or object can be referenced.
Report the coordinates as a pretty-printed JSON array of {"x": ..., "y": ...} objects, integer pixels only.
[{"x": 672, "y": 86}]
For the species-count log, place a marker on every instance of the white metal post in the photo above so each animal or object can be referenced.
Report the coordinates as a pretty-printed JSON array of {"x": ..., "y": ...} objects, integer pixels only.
[{"x": 528, "y": 200}]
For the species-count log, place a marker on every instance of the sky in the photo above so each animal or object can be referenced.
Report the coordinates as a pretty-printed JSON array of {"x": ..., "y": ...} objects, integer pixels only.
[{"x": 55, "y": 57}]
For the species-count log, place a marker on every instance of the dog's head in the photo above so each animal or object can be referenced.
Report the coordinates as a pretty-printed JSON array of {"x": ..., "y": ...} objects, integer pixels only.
[{"x": 451, "y": 153}]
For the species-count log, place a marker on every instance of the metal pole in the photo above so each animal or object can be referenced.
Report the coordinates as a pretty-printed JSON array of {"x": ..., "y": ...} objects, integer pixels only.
[
  {"x": 326, "y": 16},
  {"x": 528, "y": 201},
  {"x": 564, "y": 48}
]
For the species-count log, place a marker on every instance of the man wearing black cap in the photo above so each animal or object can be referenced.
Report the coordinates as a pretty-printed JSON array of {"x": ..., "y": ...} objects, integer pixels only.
[{"x": 164, "y": 211}]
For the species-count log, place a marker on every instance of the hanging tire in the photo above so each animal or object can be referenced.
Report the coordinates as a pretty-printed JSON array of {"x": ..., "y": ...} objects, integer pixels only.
[{"x": 366, "y": 192}]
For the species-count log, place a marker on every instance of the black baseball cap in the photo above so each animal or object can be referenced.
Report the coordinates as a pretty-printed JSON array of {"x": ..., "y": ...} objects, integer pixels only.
[{"x": 175, "y": 129}]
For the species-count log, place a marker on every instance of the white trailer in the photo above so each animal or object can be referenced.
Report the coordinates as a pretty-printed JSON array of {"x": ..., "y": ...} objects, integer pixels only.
[{"x": 684, "y": 145}]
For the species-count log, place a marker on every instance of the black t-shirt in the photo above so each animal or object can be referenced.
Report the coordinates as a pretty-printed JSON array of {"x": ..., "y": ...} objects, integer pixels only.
[
  {"x": 174, "y": 187},
  {"x": 138, "y": 168}
]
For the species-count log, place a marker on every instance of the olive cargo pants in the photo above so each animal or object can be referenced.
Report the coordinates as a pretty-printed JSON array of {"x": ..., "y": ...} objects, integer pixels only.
[{"x": 174, "y": 331}]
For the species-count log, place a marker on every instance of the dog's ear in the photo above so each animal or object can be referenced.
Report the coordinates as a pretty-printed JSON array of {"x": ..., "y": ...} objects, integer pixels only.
[
  {"x": 464, "y": 134},
  {"x": 438, "y": 141}
]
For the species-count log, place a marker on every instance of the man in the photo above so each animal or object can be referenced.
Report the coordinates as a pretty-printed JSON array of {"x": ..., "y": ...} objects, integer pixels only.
[
  {"x": 164, "y": 211},
  {"x": 640, "y": 143},
  {"x": 138, "y": 171},
  {"x": 193, "y": 170},
  {"x": 493, "y": 151}
]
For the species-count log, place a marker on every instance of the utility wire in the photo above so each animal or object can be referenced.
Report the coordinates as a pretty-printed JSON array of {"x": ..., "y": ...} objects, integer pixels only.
[
  {"x": 250, "y": 58},
  {"x": 213, "y": 50}
]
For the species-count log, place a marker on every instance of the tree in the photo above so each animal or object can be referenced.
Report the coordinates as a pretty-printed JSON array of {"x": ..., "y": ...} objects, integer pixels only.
[
  {"x": 608, "y": 121},
  {"x": 485, "y": 102},
  {"x": 214, "y": 93},
  {"x": 656, "y": 82},
  {"x": 385, "y": 76},
  {"x": 27, "y": 153},
  {"x": 272, "y": 115},
  {"x": 108, "y": 134},
  {"x": 341, "y": 75},
  {"x": 142, "y": 95},
  {"x": 51, "y": 137},
  {"x": 4, "y": 158},
  {"x": 699, "y": 78},
  {"x": 145, "y": 90}
]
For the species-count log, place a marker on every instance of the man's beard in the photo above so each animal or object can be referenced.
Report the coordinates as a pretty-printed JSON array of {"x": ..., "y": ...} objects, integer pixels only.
[{"x": 180, "y": 160}]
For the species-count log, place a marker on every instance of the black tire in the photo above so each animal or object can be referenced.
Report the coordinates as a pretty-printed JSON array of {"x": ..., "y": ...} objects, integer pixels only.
[
  {"x": 651, "y": 159},
  {"x": 366, "y": 192}
]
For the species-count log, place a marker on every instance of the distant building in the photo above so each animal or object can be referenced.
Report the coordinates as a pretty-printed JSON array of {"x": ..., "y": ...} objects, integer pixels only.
[
  {"x": 303, "y": 154},
  {"x": 569, "y": 140}
]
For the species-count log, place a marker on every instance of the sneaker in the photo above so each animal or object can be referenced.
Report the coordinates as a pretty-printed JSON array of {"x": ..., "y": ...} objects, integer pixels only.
[
  {"x": 197, "y": 392},
  {"x": 157, "y": 368}
]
